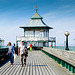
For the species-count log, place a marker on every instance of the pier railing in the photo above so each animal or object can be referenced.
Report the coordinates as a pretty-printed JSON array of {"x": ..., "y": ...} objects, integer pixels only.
[
  {"x": 64, "y": 53},
  {"x": 3, "y": 54},
  {"x": 3, "y": 51}
]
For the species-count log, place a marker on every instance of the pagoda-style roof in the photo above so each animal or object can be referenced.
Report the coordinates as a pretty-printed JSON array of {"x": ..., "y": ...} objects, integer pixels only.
[
  {"x": 36, "y": 21},
  {"x": 36, "y": 16}
]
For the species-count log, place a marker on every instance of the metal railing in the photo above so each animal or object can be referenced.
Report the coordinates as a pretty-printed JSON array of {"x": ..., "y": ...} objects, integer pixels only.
[{"x": 36, "y": 38}]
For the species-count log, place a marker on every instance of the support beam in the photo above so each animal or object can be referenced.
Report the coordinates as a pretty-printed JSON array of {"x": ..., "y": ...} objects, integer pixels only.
[
  {"x": 24, "y": 32},
  {"x": 34, "y": 32}
]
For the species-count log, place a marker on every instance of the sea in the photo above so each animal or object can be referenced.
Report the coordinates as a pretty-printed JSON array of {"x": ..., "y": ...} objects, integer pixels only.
[
  {"x": 3, "y": 47},
  {"x": 71, "y": 48}
]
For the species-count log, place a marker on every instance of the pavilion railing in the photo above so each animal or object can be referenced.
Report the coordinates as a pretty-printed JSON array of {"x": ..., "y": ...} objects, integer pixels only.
[{"x": 36, "y": 38}]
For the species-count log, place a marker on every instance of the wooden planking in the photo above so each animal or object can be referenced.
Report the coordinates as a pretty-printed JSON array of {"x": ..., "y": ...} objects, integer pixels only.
[
  {"x": 17, "y": 67},
  {"x": 46, "y": 68},
  {"x": 53, "y": 67},
  {"x": 33, "y": 68},
  {"x": 56, "y": 67},
  {"x": 30, "y": 68},
  {"x": 37, "y": 70},
  {"x": 27, "y": 73},
  {"x": 65, "y": 55},
  {"x": 37, "y": 64}
]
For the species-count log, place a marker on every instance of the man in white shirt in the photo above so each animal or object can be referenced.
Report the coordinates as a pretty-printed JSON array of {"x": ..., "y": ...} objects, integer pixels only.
[{"x": 21, "y": 50}]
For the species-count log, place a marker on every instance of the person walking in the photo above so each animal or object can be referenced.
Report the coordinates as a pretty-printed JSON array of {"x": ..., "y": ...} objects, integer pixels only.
[
  {"x": 30, "y": 47},
  {"x": 11, "y": 52},
  {"x": 21, "y": 52}
]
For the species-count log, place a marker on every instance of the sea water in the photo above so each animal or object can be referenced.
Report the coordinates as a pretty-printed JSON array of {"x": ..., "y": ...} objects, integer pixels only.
[
  {"x": 71, "y": 48},
  {"x": 3, "y": 47}
]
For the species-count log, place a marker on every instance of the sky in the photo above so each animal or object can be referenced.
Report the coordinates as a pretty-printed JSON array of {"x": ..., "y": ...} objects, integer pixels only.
[{"x": 59, "y": 14}]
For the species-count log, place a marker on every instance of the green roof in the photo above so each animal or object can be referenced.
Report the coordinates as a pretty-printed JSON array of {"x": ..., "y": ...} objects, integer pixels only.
[
  {"x": 36, "y": 16},
  {"x": 36, "y": 22}
]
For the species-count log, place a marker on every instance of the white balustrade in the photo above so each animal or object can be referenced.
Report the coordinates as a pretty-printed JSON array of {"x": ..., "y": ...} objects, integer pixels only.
[{"x": 32, "y": 38}]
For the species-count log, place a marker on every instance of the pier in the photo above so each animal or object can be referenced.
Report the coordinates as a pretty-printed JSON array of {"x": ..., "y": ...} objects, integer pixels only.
[
  {"x": 38, "y": 63},
  {"x": 62, "y": 57}
]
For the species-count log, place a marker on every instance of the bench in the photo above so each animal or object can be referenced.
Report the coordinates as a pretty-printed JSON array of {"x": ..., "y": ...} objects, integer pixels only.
[{"x": 63, "y": 57}]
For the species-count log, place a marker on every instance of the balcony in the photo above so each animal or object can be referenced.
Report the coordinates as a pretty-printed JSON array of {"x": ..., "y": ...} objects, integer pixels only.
[{"x": 51, "y": 39}]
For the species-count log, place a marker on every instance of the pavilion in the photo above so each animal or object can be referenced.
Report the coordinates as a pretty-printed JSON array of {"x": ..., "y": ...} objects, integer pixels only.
[{"x": 36, "y": 32}]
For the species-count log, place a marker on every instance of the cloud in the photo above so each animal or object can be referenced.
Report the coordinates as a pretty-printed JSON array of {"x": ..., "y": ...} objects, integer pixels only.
[
  {"x": 60, "y": 26},
  {"x": 10, "y": 33},
  {"x": 9, "y": 29}
]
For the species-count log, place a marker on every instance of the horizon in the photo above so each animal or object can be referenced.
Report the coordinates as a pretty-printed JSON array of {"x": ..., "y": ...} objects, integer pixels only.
[{"x": 59, "y": 14}]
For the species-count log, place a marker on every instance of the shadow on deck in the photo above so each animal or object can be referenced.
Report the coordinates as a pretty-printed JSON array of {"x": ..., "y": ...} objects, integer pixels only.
[{"x": 37, "y": 64}]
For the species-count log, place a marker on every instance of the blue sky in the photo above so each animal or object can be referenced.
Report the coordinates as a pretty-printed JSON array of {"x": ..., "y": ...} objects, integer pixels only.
[{"x": 59, "y": 14}]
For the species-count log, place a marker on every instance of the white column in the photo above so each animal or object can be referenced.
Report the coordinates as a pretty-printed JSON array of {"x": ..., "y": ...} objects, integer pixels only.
[
  {"x": 34, "y": 32},
  {"x": 24, "y": 32},
  {"x": 43, "y": 32}
]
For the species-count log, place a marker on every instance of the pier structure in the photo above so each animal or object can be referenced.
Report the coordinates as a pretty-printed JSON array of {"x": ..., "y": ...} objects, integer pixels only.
[
  {"x": 1, "y": 42},
  {"x": 3, "y": 51},
  {"x": 62, "y": 57},
  {"x": 37, "y": 63},
  {"x": 36, "y": 32}
]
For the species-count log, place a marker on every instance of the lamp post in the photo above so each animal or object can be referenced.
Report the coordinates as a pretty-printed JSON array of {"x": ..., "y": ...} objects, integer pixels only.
[{"x": 67, "y": 34}]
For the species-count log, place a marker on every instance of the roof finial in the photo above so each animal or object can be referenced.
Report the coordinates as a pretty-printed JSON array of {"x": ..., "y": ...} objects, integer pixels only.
[{"x": 36, "y": 9}]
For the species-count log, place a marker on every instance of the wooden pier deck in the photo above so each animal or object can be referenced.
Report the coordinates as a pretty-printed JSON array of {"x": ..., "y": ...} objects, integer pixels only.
[{"x": 37, "y": 64}]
